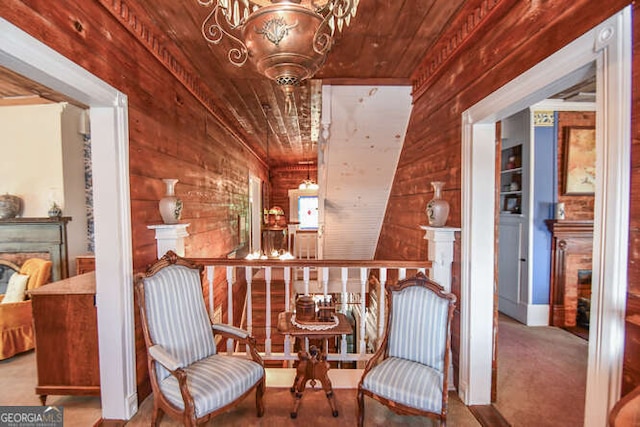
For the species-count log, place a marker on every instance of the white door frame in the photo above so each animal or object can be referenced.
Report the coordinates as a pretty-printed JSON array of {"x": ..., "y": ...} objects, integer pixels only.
[
  {"x": 110, "y": 166},
  {"x": 609, "y": 45}
]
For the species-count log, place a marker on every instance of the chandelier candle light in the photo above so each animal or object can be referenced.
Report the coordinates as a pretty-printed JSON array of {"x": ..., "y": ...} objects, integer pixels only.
[
  {"x": 287, "y": 40},
  {"x": 308, "y": 184}
]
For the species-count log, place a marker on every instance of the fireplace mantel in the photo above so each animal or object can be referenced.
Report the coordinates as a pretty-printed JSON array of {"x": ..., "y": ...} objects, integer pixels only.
[
  {"x": 570, "y": 228},
  {"x": 38, "y": 235},
  {"x": 571, "y": 250}
]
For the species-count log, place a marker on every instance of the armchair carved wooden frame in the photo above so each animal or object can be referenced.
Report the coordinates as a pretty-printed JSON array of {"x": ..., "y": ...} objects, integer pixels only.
[
  {"x": 409, "y": 371},
  {"x": 190, "y": 381}
]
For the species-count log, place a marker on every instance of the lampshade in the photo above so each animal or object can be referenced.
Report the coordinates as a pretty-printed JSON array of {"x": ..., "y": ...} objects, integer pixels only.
[
  {"x": 308, "y": 184},
  {"x": 287, "y": 40}
]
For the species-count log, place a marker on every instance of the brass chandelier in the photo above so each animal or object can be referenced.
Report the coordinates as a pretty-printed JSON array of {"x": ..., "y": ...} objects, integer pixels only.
[{"x": 287, "y": 40}]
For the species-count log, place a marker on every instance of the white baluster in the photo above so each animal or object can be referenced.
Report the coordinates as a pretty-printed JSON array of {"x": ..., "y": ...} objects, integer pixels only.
[
  {"x": 325, "y": 280},
  {"x": 248, "y": 274},
  {"x": 287, "y": 288},
  {"x": 210, "y": 276},
  {"x": 344, "y": 277},
  {"x": 363, "y": 308},
  {"x": 382, "y": 301},
  {"x": 402, "y": 273},
  {"x": 305, "y": 278},
  {"x": 287, "y": 307},
  {"x": 267, "y": 341},
  {"x": 230, "y": 274}
]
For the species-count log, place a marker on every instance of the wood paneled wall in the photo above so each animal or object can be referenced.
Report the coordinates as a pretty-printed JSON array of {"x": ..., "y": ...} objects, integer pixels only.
[
  {"x": 171, "y": 134},
  {"x": 482, "y": 57}
]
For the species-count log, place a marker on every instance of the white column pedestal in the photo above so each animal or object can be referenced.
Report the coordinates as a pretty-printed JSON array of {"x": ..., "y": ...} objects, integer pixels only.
[
  {"x": 440, "y": 253},
  {"x": 170, "y": 237}
]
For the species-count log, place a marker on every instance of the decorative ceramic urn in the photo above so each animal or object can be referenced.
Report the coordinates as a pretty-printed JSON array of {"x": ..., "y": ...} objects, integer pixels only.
[
  {"x": 170, "y": 205},
  {"x": 437, "y": 208},
  {"x": 10, "y": 206},
  {"x": 54, "y": 211}
]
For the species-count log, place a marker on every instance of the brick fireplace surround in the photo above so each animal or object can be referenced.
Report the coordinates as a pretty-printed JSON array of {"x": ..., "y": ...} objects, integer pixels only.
[{"x": 571, "y": 250}]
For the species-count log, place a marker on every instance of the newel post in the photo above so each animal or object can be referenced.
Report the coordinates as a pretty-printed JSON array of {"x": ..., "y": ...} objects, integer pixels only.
[
  {"x": 170, "y": 237},
  {"x": 440, "y": 253}
]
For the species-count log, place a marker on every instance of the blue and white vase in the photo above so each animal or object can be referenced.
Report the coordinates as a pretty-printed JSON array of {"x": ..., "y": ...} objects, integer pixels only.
[{"x": 54, "y": 211}]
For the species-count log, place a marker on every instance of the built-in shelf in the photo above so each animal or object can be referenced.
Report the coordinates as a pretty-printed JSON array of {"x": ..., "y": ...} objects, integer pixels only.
[
  {"x": 515, "y": 170},
  {"x": 511, "y": 180}
]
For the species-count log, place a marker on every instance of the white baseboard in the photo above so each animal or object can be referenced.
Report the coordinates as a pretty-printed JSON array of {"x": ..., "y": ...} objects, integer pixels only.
[
  {"x": 538, "y": 315},
  {"x": 528, "y": 314}
]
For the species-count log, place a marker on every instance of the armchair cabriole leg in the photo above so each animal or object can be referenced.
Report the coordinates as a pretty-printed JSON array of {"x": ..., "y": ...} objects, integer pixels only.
[
  {"x": 156, "y": 416},
  {"x": 360, "y": 408},
  {"x": 259, "y": 401}
]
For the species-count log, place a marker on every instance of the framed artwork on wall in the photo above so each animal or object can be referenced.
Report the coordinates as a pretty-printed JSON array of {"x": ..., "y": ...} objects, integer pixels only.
[{"x": 579, "y": 160}]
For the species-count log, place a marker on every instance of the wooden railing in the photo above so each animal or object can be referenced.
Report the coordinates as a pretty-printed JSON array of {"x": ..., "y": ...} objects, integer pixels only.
[{"x": 353, "y": 283}]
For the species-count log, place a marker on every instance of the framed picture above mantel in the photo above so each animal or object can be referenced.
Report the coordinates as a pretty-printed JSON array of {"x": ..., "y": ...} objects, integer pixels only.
[{"x": 579, "y": 160}]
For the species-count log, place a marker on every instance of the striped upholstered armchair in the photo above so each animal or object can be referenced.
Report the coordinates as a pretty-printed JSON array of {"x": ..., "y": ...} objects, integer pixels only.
[
  {"x": 190, "y": 381},
  {"x": 408, "y": 372}
]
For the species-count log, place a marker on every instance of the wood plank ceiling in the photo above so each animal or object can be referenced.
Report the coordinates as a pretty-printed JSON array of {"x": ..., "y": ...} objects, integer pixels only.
[
  {"x": 18, "y": 90},
  {"x": 383, "y": 45}
]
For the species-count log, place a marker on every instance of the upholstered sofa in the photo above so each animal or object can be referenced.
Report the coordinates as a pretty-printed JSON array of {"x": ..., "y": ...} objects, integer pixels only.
[{"x": 16, "y": 318}]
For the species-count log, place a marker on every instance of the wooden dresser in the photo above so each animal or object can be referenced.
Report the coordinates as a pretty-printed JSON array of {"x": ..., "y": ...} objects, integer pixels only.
[
  {"x": 85, "y": 264},
  {"x": 66, "y": 332}
]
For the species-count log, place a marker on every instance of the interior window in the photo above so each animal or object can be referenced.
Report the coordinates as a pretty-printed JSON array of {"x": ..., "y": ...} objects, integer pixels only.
[{"x": 308, "y": 212}]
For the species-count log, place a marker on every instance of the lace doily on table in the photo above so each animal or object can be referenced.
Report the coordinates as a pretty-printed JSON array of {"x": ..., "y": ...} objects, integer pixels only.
[{"x": 316, "y": 326}]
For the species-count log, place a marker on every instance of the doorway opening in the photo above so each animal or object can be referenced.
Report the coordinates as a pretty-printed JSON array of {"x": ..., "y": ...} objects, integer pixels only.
[
  {"x": 609, "y": 45},
  {"x": 23, "y": 54}
]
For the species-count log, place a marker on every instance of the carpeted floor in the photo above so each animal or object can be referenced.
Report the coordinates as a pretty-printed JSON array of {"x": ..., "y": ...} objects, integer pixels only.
[
  {"x": 541, "y": 382},
  {"x": 542, "y": 375},
  {"x": 18, "y": 380},
  {"x": 314, "y": 411}
]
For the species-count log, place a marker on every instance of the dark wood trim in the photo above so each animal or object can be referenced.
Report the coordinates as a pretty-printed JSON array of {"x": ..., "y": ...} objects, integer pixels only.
[
  {"x": 496, "y": 262},
  {"x": 149, "y": 36},
  {"x": 311, "y": 263},
  {"x": 569, "y": 228},
  {"x": 110, "y": 423},
  {"x": 488, "y": 416}
]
